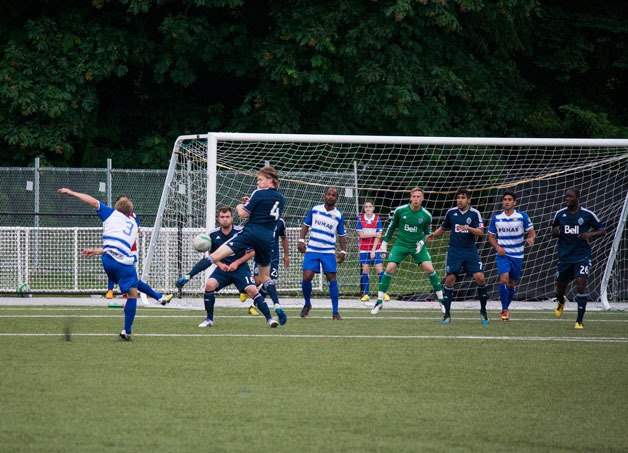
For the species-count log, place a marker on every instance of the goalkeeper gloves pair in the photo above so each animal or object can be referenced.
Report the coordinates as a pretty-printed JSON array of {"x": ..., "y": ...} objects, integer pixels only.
[{"x": 384, "y": 247}]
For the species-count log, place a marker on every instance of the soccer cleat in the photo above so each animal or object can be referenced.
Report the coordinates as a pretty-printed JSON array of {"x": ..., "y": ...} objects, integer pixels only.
[
  {"x": 442, "y": 305},
  {"x": 207, "y": 323},
  {"x": 182, "y": 281},
  {"x": 559, "y": 309},
  {"x": 125, "y": 336},
  {"x": 578, "y": 326},
  {"x": 365, "y": 298},
  {"x": 503, "y": 315},
  {"x": 336, "y": 317},
  {"x": 253, "y": 311},
  {"x": 446, "y": 319},
  {"x": 484, "y": 317},
  {"x": 281, "y": 315},
  {"x": 166, "y": 299},
  {"x": 306, "y": 311},
  {"x": 377, "y": 308},
  {"x": 386, "y": 297},
  {"x": 272, "y": 323},
  {"x": 109, "y": 294},
  {"x": 243, "y": 297}
]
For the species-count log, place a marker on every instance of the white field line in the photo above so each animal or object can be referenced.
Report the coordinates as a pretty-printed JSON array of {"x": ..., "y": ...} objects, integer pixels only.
[{"x": 309, "y": 336}]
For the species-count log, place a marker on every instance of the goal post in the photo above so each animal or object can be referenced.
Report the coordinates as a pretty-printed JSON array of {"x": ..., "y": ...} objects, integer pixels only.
[{"x": 214, "y": 169}]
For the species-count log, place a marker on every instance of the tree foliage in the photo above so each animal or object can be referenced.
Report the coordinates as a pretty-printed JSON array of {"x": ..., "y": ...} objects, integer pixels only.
[{"x": 83, "y": 81}]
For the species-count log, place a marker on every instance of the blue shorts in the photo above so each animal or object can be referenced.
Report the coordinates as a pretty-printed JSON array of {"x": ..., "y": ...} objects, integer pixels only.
[
  {"x": 274, "y": 269},
  {"x": 257, "y": 238},
  {"x": 241, "y": 278},
  {"x": 567, "y": 272},
  {"x": 312, "y": 261},
  {"x": 510, "y": 265},
  {"x": 125, "y": 275},
  {"x": 365, "y": 258},
  {"x": 458, "y": 258}
]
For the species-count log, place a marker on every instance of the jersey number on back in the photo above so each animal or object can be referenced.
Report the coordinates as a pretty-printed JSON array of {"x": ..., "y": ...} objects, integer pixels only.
[{"x": 275, "y": 210}]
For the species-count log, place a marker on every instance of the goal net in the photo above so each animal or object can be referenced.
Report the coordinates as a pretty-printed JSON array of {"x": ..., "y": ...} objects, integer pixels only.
[{"x": 210, "y": 170}]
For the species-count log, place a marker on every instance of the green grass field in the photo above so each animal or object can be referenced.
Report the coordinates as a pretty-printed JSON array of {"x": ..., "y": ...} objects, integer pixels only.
[{"x": 396, "y": 382}]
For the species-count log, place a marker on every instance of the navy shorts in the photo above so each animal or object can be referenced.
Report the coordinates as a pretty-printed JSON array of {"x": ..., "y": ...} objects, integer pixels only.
[
  {"x": 274, "y": 269},
  {"x": 567, "y": 272},
  {"x": 458, "y": 258},
  {"x": 241, "y": 278},
  {"x": 257, "y": 238}
]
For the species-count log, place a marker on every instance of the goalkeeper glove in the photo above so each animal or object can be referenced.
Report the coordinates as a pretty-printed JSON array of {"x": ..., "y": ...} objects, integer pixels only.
[
  {"x": 383, "y": 248},
  {"x": 182, "y": 281},
  {"x": 419, "y": 245}
]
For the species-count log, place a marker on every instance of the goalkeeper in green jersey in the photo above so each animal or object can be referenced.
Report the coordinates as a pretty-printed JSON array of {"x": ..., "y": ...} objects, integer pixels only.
[{"x": 413, "y": 222}]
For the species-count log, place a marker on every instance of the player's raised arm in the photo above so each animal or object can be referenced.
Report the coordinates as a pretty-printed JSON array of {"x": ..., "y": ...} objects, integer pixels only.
[{"x": 87, "y": 199}]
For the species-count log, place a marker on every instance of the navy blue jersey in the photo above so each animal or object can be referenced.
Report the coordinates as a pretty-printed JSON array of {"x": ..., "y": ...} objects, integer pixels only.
[
  {"x": 265, "y": 207},
  {"x": 572, "y": 249},
  {"x": 219, "y": 238},
  {"x": 454, "y": 219}
]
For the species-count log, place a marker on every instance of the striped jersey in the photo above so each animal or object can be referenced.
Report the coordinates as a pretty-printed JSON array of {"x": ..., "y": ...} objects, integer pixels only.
[
  {"x": 510, "y": 231},
  {"x": 119, "y": 234},
  {"x": 324, "y": 226}
]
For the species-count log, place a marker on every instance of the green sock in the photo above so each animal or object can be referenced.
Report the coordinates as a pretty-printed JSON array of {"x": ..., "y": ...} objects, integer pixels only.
[
  {"x": 385, "y": 283},
  {"x": 435, "y": 281}
]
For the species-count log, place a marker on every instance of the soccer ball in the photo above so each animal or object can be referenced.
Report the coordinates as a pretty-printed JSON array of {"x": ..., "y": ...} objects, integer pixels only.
[{"x": 202, "y": 242}]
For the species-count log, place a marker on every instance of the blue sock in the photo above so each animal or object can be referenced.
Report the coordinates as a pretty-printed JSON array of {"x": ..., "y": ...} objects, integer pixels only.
[
  {"x": 146, "y": 289},
  {"x": 306, "y": 287},
  {"x": 110, "y": 284},
  {"x": 581, "y": 300},
  {"x": 271, "y": 289},
  {"x": 201, "y": 265},
  {"x": 130, "y": 307},
  {"x": 209, "y": 299},
  {"x": 334, "y": 293},
  {"x": 263, "y": 307},
  {"x": 448, "y": 295},
  {"x": 511, "y": 295},
  {"x": 365, "y": 283},
  {"x": 379, "y": 276},
  {"x": 503, "y": 295}
]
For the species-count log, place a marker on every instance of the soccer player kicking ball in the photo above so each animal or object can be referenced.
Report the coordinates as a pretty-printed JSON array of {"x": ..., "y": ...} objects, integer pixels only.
[
  {"x": 506, "y": 234},
  {"x": 118, "y": 260},
  {"x": 466, "y": 226},
  {"x": 574, "y": 226},
  {"x": 413, "y": 222}
]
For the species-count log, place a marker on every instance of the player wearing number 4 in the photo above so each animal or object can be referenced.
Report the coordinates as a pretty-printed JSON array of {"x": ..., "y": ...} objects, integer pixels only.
[
  {"x": 506, "y": 234},
  {"x": 231, "y": 270},
  {"x": 325, "y": 222},
  {"x": 118, "y": 260},
  {"x": 412, "y": 222},
  {"x": 574, "y": 226},
  {"x": 466, "y": 226}
]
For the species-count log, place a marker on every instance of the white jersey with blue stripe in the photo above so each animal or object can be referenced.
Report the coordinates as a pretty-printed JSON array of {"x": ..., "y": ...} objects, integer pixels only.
[
  {"x": 510, "y": 231},
  {"x": 119, "y": 234},
  {"x": 324, "y": 226}
]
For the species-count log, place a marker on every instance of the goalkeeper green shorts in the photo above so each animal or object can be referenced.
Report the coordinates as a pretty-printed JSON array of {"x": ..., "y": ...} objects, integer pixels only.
[{"x": 398, "y": 254}]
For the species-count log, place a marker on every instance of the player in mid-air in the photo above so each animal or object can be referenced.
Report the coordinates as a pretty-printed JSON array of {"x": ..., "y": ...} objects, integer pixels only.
[
  {"x": 232, "y": 269},
  {"x": 325, "y": 223},
  {"x": 369, "y": 227},
  {"x": 507, "y": 234},
  {"x": 413, "y": 223},
  {"x": 119, "y": 235},
  {"x": 466, "y": 226},
  {"x": 263, "y": 208},
  {"x": 574, "y": 226}
]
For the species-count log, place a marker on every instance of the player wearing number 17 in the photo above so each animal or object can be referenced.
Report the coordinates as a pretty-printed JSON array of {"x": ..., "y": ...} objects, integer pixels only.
[{"x": 263, "y": 208}]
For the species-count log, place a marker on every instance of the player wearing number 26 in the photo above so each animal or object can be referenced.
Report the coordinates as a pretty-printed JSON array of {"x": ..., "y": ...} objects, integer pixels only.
[
  {"x": 574, "y": 226},
  {"x": 263, "y": 208}
]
